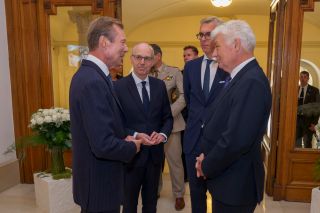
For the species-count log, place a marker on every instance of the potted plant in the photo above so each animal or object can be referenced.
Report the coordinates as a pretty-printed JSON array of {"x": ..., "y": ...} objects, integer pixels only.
[{"x": 52, "y": 129}]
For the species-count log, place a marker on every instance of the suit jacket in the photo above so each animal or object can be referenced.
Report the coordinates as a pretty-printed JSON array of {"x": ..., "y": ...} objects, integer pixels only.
[
  {"x": 232, "y": 136},
  {"x": 173, "y": 80},
  {"x": 98, "y": 152},
  {"x": 312, "y": 96},
  {"x": 158, "y": 119},
  {"x": 195, "y": 100}
]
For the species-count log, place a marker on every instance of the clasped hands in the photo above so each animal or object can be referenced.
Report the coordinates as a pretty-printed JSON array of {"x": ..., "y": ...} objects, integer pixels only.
[{"x": 142, "y": 138}]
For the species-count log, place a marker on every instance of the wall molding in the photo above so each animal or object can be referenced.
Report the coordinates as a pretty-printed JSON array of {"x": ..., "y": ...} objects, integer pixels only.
[
  {"x": 184, "y": 43},
  {"x": 9, "y": 173},
  {"x": 259, "y": 44},
  {"x": 163, "y": 43}
]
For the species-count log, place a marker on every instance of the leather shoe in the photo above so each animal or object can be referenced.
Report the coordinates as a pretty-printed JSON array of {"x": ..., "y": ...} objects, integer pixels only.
[{"x": 179, "y": 203}]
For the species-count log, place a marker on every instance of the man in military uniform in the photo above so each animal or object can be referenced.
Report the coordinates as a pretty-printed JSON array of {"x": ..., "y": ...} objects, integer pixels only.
[{"x": 173, "y": 79}]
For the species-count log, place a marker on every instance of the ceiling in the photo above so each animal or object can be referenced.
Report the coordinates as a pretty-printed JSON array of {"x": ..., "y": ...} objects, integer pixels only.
[{"x": 137, "y": 12}]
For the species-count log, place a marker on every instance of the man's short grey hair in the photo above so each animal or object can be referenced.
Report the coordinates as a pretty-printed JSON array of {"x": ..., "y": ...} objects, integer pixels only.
[
  {"x": 236, "y": 29},
  {"x": 211, "y": 19}
]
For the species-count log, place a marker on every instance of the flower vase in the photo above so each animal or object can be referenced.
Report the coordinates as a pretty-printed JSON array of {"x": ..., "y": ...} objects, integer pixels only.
[{"x": 57, "y": 163}]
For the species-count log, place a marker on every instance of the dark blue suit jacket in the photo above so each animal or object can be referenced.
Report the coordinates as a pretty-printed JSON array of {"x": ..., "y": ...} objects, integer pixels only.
[
  {"x": 232, "y": 136},
  {"x": 159, "y": 118},
  {"x": 195, "y": 100},
  {"x": 98, "y": 152}
]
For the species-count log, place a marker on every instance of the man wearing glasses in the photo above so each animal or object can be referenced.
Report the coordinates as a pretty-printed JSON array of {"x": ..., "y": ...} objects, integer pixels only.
[
  {"x": 172, "y": 78},
  {"x": 146, "y": 108},
  {"x": 202, "y": 81}
]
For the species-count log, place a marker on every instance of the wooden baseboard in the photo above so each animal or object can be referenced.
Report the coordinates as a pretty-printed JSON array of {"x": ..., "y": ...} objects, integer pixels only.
[{"x": 9, "y": 173}]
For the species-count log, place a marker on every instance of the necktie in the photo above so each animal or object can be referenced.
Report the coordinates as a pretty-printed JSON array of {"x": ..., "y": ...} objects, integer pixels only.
[
  {"x": 301, "y": 96},
  {"x": 145, "y": 96},
  {"x": 206, "y": 79},
  {"x": 227, "y": 81}
]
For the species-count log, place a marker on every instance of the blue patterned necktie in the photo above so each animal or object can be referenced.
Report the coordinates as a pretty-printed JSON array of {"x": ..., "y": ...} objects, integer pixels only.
[
  {"x": 227, "y": 81},
  {"x": 206, "y": 79},
  {"x": 145, "y": 96}
]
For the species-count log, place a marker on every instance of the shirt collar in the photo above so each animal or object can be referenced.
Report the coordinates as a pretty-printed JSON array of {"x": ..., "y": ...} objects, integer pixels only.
[
  {"x": 99, "y": 63},
  {"x": 239, "y": 67},
  {"x": 205, "y": 58},
  {"x": 159, "y": 69},
  {"x": 137, "y": 80}
]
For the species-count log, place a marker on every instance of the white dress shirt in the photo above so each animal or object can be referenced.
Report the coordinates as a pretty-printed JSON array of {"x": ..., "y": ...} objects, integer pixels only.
[
  {"x": 304, "y": 91},
  {"x": 99, "y": 63},
  {"x": 237, "y": 69},
  {"x": 213, "y": 70},
  {"x": 138, "y": 82}
]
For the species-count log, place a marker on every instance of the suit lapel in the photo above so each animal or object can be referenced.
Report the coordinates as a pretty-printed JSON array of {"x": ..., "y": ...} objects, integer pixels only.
[
  {"x": 152, "y": 93},
  {"x": 133, "y": 90},
  {"x": 308, "y": 95},
  {"x": 197, "y": 79},
  {"x": 217, "y": 82},
  {"x": 103, "y": 75}
]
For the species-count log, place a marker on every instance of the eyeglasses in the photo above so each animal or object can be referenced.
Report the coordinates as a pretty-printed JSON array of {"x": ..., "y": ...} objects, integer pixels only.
[
  {"x": 205, "y": 35},
  {"x": 139, "y": 58}
]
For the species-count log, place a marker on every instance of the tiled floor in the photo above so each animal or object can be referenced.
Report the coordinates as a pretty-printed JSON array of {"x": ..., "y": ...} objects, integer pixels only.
[{"x": 21, "y": 199}]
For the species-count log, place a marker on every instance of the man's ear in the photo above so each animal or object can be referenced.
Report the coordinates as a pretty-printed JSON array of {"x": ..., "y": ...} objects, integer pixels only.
[
  {"x": 237, "y": 44},
  {"x": 104, "y": 42}
]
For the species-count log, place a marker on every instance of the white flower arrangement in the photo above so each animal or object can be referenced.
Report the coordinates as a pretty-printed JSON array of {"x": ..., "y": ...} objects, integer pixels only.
[
  {"x": 56, "y": 115},
  {"x": 52, "y": 126}
]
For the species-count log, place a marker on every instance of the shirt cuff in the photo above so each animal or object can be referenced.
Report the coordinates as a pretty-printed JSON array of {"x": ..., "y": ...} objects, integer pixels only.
[
  {"x": 164, "y": 135},
  {"x": 135, "y": 135}
]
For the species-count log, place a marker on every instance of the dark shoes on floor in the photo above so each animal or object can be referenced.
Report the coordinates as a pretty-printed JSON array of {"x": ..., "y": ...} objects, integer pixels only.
[{"x": 179, "y": 205}]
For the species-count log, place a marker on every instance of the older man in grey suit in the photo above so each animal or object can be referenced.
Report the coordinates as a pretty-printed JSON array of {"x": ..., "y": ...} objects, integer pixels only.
[{"x": 173, "y": 79}]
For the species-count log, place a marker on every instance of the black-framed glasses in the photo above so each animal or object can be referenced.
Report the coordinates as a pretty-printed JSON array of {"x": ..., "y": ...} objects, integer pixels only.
[
  {"x": 205, "y": 35},
  {"x": 145, "y": 58}
]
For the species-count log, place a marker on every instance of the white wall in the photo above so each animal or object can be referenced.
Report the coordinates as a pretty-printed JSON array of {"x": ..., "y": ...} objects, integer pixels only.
[{"x": 6, "y": 117}]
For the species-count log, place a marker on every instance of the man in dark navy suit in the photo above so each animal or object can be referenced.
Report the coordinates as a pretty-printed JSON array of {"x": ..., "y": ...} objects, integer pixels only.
[
  {"x": 147, "y": 116},
  {"x": 202, "y": 81},
  {"x": 98, "y": 146},
  {"x": 231, "y": 159}
]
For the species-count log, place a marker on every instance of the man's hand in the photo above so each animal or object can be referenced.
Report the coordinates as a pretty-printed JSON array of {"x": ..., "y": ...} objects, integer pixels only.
[
  {"x": 157, "y": 138},
  {"x": 146, "y": 139},
  {"x": 199, "y": 166},
  {"x": 129, "y": 138},
  {"x": 137, "y": 143}
]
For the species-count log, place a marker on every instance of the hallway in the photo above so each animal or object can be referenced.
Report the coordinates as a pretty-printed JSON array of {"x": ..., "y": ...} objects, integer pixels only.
[{"x": 21, "y": 199}]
